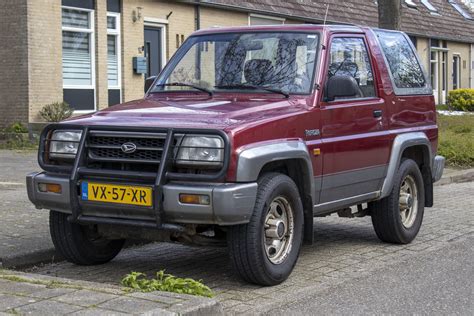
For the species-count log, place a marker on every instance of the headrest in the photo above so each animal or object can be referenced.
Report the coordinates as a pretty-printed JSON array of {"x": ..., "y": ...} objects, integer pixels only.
[{"x": 258, "y": 71}]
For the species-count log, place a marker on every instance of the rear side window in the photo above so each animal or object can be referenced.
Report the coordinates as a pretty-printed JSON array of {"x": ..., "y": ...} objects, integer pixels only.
[{"x": 405, "y": 70}]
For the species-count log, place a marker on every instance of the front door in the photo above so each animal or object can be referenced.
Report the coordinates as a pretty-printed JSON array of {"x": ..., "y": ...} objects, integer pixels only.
[
  {"x": 153, "y": 50},
  {"x": 354, "y": 146}
]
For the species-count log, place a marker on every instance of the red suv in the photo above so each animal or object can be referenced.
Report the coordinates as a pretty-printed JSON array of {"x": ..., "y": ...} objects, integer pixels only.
[{"x": 246, "y": 135}]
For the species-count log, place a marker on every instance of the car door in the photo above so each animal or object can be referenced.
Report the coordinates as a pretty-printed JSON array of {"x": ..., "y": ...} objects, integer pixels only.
[{"x": 355, "y": 146}]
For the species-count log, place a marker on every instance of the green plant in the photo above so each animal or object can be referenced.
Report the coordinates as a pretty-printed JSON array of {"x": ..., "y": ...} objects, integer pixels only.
[
  {"x": 166, "y": 282},
  {"x": 461, "y": 100},
  {"x": 56, "y": 112},
  {"x": 16, "y": 128}
]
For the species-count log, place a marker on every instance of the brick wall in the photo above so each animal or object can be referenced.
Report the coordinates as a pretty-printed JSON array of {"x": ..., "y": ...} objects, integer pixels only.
[
  {"x": 13, "y": 62},
  {"x": 45, "y": 55}
]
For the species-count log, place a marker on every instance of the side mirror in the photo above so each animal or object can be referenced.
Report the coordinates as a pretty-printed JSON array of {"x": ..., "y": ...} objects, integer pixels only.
[
  {"x": 342, "y": 86},
  {"x": 148, "y": 82}
]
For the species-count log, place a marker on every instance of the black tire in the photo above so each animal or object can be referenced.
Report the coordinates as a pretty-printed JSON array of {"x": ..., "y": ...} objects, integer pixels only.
[
  {"x": 386, "y": 218},
  {"x": 76, "y": 243},
  {"x": 247, "y": 242}
]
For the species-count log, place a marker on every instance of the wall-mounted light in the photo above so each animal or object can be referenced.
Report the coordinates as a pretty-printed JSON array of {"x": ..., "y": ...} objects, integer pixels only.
[{"x": 137, "y": 14}]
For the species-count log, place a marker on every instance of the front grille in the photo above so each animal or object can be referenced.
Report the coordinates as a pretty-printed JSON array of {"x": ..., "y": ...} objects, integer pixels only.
[
  {"x": 114, "y": 154},
  {"x": 106, "y": 147},
  {"x": 96, "y": 140}
]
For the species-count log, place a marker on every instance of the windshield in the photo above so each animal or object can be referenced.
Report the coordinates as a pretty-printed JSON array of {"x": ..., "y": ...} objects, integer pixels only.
[{"x": 281, "y": 62}]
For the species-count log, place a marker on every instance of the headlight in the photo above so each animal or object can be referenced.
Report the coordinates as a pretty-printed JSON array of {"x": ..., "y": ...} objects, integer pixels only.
[
  {"x": 64, "y": 144},
  {"x": 200, "y": 151}
]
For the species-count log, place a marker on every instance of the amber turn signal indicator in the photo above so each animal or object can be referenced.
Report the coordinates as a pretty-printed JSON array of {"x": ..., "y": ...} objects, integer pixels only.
[
  {"x": 49, "y": 187},
  {"x": 316, "y": 151},
  {"x": 198, "y": 199}
]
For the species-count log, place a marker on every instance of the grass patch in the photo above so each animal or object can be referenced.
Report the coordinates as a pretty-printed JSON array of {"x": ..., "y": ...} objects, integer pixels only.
[
  {"x": 456, "y": 139},
  {"x": 48, "y": 284},
  {"x": 166, "y": 282}
]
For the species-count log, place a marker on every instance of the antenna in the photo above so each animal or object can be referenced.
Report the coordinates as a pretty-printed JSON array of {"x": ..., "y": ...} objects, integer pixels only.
[{"x": 326, "y": 15}]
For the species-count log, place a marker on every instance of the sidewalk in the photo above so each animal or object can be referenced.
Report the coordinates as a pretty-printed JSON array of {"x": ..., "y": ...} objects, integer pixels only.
[{"x": 22, "y": 294}]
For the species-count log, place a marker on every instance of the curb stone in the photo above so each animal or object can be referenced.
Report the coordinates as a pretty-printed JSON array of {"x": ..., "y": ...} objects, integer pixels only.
[
  {"x": 466, "y": 175},
  {"x": 178, "y": 304}
]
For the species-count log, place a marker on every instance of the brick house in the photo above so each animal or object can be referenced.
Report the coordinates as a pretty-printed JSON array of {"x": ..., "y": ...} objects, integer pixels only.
[{"x": 84, "y": 51}]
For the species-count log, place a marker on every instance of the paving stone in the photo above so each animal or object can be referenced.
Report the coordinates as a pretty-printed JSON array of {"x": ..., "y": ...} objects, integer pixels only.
[
  {"x": 131, "y": 305},
  {"x": 156, "y": 297},
  {"x": 84, "y": 298},
  {"x": 23, "y": 288},
  {"x": 7, "y": 302},
  {"x": 47, "y": 308},
  {"x": 51, "y": 292},
  {"x": 97, "y": 312}
]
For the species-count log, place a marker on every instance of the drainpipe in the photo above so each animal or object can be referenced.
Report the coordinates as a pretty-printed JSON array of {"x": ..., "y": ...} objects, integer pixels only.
[
  {"x": 197, "y": 15},
  {"x": 197, "y": 26},
  {"x": 390, "y": 14}
]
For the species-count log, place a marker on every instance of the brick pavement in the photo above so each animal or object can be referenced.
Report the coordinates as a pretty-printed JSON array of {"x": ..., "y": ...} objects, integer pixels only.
[
  {"x": 344, "y": 249},
  {"x": 22, "y": 294}
]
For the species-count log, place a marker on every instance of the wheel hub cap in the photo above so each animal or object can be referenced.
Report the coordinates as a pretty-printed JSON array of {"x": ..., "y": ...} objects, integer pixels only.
[
  {"x": 408, "y": 201},
  {"x": 278, "y": 230}
]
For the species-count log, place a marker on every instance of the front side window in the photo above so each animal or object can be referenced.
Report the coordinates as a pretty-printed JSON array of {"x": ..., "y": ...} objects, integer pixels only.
[
  {"x": 244, "y": 61},
  {"x": 405, "y": 70},
  {"x": 349, "y": 57}
]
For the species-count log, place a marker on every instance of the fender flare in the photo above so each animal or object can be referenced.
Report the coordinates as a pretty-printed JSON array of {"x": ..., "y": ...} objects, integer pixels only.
[
  {"x": 252, "y": 160},
  {"x": 402, "y": 142}
]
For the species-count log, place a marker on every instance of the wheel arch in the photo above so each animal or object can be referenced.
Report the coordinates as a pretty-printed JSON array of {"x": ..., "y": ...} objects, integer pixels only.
[
  {"x": 290, "y": 157},
  {"x": 415, "y": 146}
]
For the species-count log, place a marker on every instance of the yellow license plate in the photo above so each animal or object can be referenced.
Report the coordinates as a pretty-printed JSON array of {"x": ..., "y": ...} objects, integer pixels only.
[{"x": 112, "y": 193}]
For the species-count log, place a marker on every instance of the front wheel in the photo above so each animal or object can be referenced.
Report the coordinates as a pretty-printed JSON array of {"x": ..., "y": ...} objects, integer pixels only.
[
  {"x": 265, "y": 250},
  {"x": 79, "y": 244},
  {"x": 398, "y": 217}
]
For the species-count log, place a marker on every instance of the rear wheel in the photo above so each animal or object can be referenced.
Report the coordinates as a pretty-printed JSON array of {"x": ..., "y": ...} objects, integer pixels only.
[
  {"x": 265, "y": 250},
  {"x": 80, "y": 244},
  {"x": 398, "y": 217}
]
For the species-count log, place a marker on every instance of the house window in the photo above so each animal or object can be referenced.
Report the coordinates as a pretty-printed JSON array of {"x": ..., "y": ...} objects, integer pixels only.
[
  {"x": 410, "y": 3},
  {"x": 78, "y": 58},
  {"x": 256, "y": 19},
  {"x": 113, "y": 57},
  {"x": 461, "y": 10},
  {"x": 456, "y": 72},
  {"x": 429, "y": 6}
]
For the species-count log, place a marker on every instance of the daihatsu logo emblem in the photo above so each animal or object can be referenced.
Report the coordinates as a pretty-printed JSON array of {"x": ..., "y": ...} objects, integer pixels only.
[{"x": 128, "y": 148}]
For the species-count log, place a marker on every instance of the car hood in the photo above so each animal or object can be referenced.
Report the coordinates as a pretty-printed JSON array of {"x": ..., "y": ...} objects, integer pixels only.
[{"x": 214, "y": 113}]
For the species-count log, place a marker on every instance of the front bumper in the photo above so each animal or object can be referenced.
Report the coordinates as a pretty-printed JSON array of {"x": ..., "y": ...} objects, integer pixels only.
[{"x": 230, "y": 203}]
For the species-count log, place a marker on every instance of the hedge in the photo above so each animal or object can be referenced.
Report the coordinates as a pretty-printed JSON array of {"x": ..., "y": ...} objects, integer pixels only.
[{"x": 461, "y": 100}]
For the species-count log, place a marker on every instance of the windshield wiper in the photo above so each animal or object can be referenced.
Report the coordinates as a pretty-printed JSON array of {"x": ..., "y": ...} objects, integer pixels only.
[
  {"x": 253, "y": 87},
  {"x": 183, "y": 84}
]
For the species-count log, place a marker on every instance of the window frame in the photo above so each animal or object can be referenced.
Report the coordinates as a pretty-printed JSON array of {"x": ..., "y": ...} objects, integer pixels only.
[
  {"x": 118, "y": 47},
  {"x": 181, "y": 52},
  {"x": 326, "y": 69},
  {"x": 265, "y": 17},
  {"x": 459, "y": 9},
  {"x": 426, "y": 89},
  {"x": 92, "y": 50}
]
